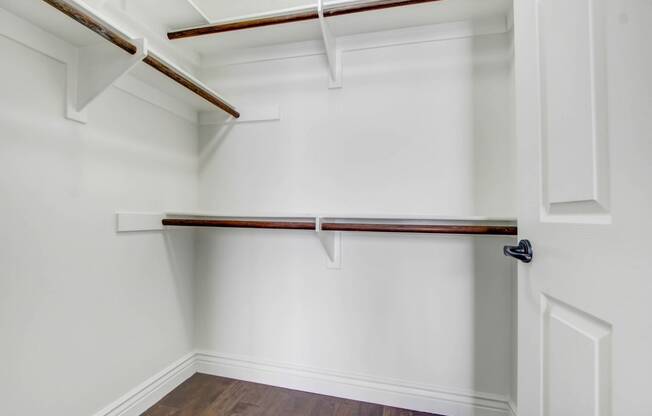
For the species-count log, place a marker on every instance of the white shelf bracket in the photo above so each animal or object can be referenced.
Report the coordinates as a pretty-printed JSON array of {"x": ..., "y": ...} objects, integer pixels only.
[
  {"x": 331, "y": 241},
  {"x": 333, "y": 53},
  {"x": 95, "y": 69}
]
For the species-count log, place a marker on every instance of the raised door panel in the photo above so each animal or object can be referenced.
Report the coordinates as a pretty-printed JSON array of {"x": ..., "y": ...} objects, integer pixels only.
[
  {"x": 573, "y": 110},
  {"x": 576, "y": 361}
]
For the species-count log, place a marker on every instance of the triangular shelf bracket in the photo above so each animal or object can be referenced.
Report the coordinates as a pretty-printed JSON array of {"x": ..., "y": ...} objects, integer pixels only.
[
  {"x": 96, "y": 68},
  {"x": 331, "y": 241},
  {"x": 333, "y": 52}
]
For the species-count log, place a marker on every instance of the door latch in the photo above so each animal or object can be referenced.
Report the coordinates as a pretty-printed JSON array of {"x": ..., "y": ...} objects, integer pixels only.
[{"x": 523, "y": 251}]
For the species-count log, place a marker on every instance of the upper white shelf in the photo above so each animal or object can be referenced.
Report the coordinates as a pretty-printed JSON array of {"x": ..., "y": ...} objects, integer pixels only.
[
  {"x": 51, "y": 20},
  {"x": 442, "y": 11},
  {"x": 88, "y": 28}
]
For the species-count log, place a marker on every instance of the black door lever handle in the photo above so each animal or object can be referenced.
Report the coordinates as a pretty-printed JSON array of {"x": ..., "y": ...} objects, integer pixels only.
[{"x": 523, "y": 251}]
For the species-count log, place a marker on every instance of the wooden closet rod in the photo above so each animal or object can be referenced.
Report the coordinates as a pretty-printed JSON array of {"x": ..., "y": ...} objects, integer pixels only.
[
  {"x": 179, "y": 78},
  {"x": 353, "y": 227},
  {"x": 420, "y": 228},
  {"x": 125, "y": 44},
  {"x": 275, "y": 225},
  {"x": 293, "y": 16},
  {"x": 93, "y": 24}
]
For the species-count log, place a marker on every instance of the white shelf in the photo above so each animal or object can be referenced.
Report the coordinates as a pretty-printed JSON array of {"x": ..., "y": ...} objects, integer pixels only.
[
  {"x": 343, "y": 216},
  {"x": 53, "y": 21},
  {"x": 46, "y": 17},
  {"x": 445, "y": 11},
  {"x": 151, "y": 221},
  {"x": 325, "y": 227}
]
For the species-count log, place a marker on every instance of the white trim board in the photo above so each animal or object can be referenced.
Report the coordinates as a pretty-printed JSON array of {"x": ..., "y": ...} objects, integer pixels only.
[{"x": 396, "y": 393}]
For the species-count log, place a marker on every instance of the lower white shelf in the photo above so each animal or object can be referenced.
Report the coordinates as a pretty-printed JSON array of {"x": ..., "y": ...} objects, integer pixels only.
[
  {"x": 328, "y": 228},
  {"x": 443, "y": 224}
]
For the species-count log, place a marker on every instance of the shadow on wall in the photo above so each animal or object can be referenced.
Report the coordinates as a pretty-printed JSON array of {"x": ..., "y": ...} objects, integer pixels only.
[
  {"x": 182, "y": 265},
  {"x": 211, "y": 138},
  {"x": 494, "y": 192},
  {"x": 493, "y": 278}
]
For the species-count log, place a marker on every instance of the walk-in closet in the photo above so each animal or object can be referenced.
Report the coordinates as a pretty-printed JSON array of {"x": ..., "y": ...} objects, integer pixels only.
[{"x": 325, "y": 207}]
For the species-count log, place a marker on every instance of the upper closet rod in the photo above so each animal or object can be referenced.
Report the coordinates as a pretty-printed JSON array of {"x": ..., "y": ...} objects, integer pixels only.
[
  {"x": 170, "y": 72},
  {"x": 337, "y": 9},
  {"x": 155, "y": 62},
  {"x": 335, "y": 226},
  {"x": 93, "y": 24}
]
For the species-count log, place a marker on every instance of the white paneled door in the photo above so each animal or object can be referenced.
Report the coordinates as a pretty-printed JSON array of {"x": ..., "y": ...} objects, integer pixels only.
[{"x": 584, "y": 126}]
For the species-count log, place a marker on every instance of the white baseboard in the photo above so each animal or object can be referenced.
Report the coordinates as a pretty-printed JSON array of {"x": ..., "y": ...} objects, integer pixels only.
[
  {"x": 152, "y": 390},
  {"x": 350, "y": 386},
  {"x": 356, "y": 387}
]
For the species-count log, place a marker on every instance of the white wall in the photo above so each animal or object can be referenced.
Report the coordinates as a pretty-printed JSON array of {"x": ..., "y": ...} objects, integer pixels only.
[
  {"x": 87, "y": 314},
  {"x": 417, "y": 129}
]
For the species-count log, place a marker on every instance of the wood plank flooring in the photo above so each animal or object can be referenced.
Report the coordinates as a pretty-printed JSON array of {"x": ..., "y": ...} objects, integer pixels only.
[{"x": 204, "y": 395}]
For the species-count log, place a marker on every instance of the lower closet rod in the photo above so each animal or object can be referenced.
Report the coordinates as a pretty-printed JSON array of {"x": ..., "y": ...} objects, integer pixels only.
[
  {"x": 352, "y": 227},
  {"x": 275, "y": 225},
  {"x": 421, "y": 228}
]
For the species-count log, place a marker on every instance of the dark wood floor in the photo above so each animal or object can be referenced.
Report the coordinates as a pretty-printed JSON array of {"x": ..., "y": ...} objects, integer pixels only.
[{"x": 204, "y": 395}]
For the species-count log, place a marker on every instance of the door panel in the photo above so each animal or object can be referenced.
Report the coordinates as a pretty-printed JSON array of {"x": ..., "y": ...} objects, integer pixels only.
[
  {"x": 584, "y": 129},
  {"x": 571, "y": 38},
  {"x": 576, "y": 361}
]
